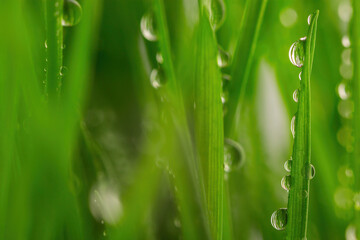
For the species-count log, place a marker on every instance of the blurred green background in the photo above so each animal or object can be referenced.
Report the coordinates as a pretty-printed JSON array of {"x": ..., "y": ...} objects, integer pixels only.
[{"x": 102, "y": 165}]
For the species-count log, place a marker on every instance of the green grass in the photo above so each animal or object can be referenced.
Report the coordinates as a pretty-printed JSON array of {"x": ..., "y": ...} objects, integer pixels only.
[
  {"x": 301, "y": 163},
  {"x": 159, "y": 152}
]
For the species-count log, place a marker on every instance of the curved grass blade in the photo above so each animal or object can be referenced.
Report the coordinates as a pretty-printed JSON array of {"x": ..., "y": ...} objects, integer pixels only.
[
  {"x": 243, "y": 57},
  {"x": 298, "y": 202},
  {"x": 209, "y": 123}
]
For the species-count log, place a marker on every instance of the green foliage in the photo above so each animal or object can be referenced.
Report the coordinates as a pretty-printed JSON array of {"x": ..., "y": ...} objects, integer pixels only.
[{"x": 106, "y": 133}]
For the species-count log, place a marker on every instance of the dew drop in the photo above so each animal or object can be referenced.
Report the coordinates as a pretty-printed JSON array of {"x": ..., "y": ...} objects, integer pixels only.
[
  {"x": 346, "y": 108},
  {"x": 224, "y": 96},
  {"x": 300, "y": 74},
  {"x": 312, "y": 171},
  {"x": 343, "y": 90},
  {"x": 350, "y": 232},
  {"x": 45, "y": 44},
  {"x": 279, "y": 219},
  {"x": 234, "y": 155},
  {"x": 104, "y": 203},
  {"x": 217, "y": 13},
  {"x": 309, "y": 19},
  {"x": 288, "y": 17},
  {"x": 343, "y": 198},
  {"x": 345, "y": 41},
  {"x": 292, "y": 126},
  {"x": 297, "y": 52},
  {"x": 286, "y": 182},
  {"x": 63, "y": 70},
  {"x": 287, "y": 165},
  {"x": 223, "y": 58},
  {"x": 296, "y": 95},
  {"x": 148, "y": 26},
  {"x": 159, "y": 58},
  {"x": 72, "y": 13},
  {"x": 157, "y": 78},
  {"x": 345, "y": 175}
]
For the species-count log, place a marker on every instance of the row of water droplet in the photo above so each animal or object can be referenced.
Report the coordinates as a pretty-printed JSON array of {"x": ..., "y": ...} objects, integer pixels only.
[
  {"x": 148, "y": 28},
  {"x": 72, "y": 13},
  {"x": 297, "y": 57},
  {"x": 346, "y": 199}
]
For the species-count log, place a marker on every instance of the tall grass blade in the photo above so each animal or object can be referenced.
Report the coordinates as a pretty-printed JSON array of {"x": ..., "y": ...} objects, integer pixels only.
[{"x": 299, "y": 192}]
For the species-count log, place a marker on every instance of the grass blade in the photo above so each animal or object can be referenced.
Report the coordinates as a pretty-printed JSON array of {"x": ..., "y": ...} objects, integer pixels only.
[
  {"x": 298, "y": 202},
  {"x": 53, "y": 45},
  {"x": 243, "y": 57},
  {"x": 209, "y": 123}
]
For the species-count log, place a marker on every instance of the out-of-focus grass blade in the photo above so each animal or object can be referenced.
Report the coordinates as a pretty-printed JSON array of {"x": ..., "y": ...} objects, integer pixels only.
[
  {"x": 243, "y": 57},
  {"x": 191, "y": 199},
  {"x": 209, "y": 122},
  {"x": 356, "y": 95},
  {"x": 54, "y": 46},
  {"x": 301, "y": 169}
]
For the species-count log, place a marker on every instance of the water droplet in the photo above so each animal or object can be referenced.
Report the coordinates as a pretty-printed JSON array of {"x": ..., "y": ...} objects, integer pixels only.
[
  {"x": 234, "y": 155},
  {"x": 217, "y": 13},
  {"x": 300, "y": 74},
  {"x": 104, "y": 203},
  {"x": 279, "y": 219},
  {"x": 287, "y": 165},
  {"x": 288, "y": 17},
  {"x": 159, "y": 58},
  {"x": 297, "y": 52},
  {"x": 343, "y": 197},
  {"x": 223, "y": 58},
  {"x": 343, "y": 90},
  {"x": 309, "y": 19},
  {"x": 345, "y": 138},
  {"x": 72, "y": 13},
  {"x": 224, "y": 96},
  {"x": 157, "y": 78},
  {"x": 346, "y": 70},
  {"x": 346, "y": 56},
  {"x": 346, "y": 108},
  {"x": 350, "y": 232},
  {"x": 45, "y": 44},
  {"x": 286, "y": 182},
  {"x": 345, "y": 41},
  {"x": 345, "y": 11},
  {"x": 345, "y": 175},
  {"x": 104, "y": 234},
  {"x": 63, "y": 70},
  {"x": 148, "y": 26},
  {"x": 292, "y": 126},
  {"x": 296, "y": 95},
  {"x": 357, "y": 201},
  {"x": 312, "y": 171}
]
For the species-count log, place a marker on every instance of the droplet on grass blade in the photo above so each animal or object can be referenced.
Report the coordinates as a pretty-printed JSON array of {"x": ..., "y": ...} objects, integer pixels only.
[
  {"x": 157, "y": 78},
  {"x": 300, "y": 74},
  {"x": 217, "y": 13},
  {"x": 159, "y": 58},
  {"x": 343, "y": 90},
  {"x": 287, "y": 165},
  {"x": 297, "y": 52},
  {"x": 234, "y": 155},
  {"x": 72, "y": 13},
  {"x": 292, "y": 125},
  {"x": 309, "y": 19},
  {"x": 148, "y": 26},
  {"x": 286, "y": 182},
  {"x": 279, "y": 219},
  {"x": 296, "y": 95},
  {"x": 223, "y": 58}
]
